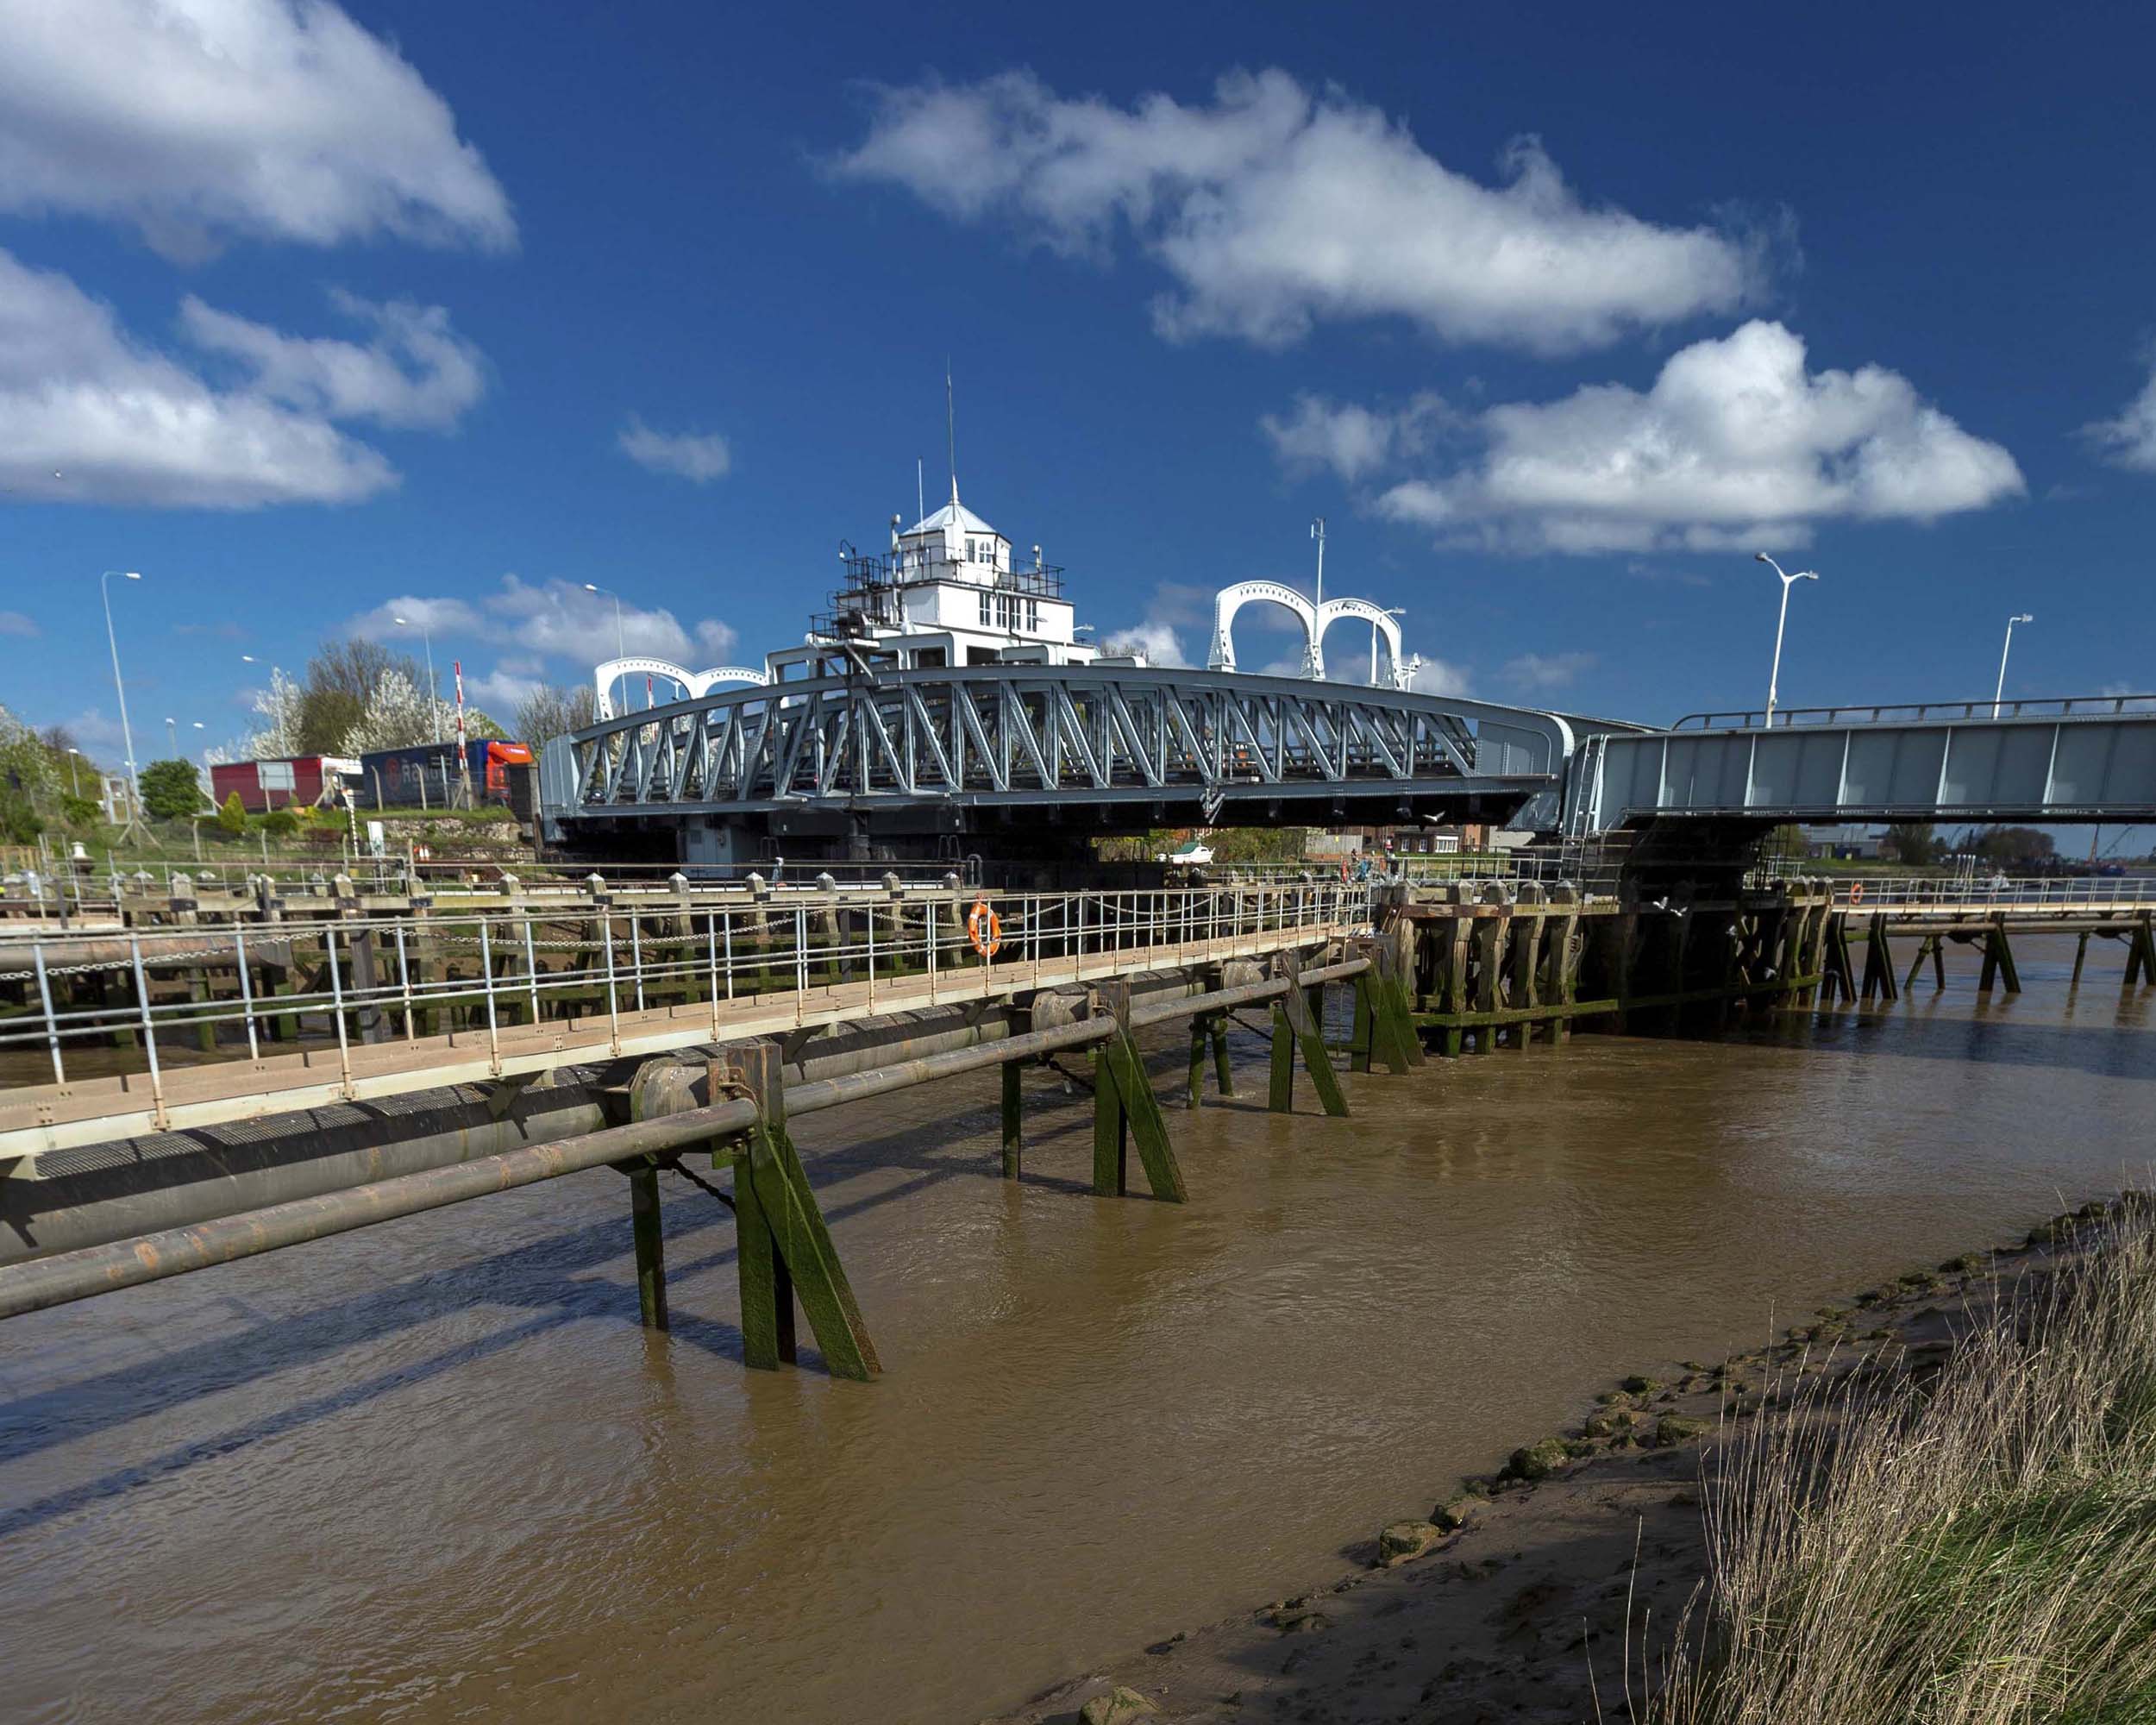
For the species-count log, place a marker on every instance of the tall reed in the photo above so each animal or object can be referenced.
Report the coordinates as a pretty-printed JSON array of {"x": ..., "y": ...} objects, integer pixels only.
[{"x": 1972, "y": 1548}]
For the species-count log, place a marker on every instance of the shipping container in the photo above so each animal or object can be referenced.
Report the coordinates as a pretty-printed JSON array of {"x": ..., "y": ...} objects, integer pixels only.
[
  {"x": 430, "y": 775},
  {"x": 292, "y": 781}
]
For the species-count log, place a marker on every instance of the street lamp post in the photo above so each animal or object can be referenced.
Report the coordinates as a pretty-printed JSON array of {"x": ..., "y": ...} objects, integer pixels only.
[
  {"x": 1390, "y": 611},
  {"x": 1314, "y": 660},
  {"x": 620, "y": 651},
  {"x": 1774, "y": 676},
  {"x": 119, "y": 687},
  {"x": 74, "y": 771},
  {"x": 1999, "y": 694},
  {"x": 434, "y": 701}
]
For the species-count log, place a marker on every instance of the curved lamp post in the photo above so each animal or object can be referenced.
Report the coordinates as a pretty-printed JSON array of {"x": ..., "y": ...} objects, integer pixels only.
[
  {"x": 119, "y": 687},
  {"x": 1774, "y": 676},
  {"x": 1999, "y": 694}
]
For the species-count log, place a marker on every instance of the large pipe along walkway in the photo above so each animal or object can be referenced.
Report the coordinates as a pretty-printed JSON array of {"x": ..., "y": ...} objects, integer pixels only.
[{"x": 736, "y": 1105}]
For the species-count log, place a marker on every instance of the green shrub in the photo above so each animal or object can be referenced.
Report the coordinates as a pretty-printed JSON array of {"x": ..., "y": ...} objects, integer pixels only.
[
  {"x": 172, "y": 790},
  {"x": 232, "y": 818}
]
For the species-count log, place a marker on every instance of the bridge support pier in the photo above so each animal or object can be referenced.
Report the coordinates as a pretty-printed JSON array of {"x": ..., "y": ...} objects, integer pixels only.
[
  {"x": 1998, "y": 960},
  {"x": 1125, "y": 1108},
  {"x": 1295, "y": 1023},
  {"x": 783, "y": 1250},
  {"x": 1878, "y": 962},
  {"x": 1209, "y": 1031},
  {"x": 2140, "y": 955}
]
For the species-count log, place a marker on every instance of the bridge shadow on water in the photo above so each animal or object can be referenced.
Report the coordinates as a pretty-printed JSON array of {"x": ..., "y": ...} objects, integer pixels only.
[{"x": 545, "y": 1277}]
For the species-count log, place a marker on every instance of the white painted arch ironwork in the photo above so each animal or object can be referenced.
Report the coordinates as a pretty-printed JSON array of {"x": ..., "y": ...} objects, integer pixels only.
[
  {"x": 696, "y": 682},
  {"x": 1018, "y": 734},
  {"x": 1314, "y": 619}
]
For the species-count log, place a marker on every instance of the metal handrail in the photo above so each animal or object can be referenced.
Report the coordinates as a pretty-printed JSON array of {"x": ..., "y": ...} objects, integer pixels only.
[
  {"x": 1921, "y": 713},
  {"x": 1987, "y": 892},
  {"x": 763, "y": 950}
]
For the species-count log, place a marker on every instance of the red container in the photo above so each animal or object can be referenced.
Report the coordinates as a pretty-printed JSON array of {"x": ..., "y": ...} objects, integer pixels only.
[{"x": 293, "y": 782}]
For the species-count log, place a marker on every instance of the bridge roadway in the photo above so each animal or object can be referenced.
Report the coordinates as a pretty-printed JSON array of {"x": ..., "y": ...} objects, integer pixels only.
[
  {"x": 648, "y": 981},
  {"x": 2055, "y": 761}
]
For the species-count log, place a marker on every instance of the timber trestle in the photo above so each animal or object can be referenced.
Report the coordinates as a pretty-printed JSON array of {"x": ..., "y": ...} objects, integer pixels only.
[
  {"x": 732, "y": 1101},
  {"x": 1502, "y": 964}
]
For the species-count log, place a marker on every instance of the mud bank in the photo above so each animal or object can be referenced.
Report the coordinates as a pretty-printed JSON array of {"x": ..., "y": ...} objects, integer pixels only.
[{"x": 1547, "y": 1592}]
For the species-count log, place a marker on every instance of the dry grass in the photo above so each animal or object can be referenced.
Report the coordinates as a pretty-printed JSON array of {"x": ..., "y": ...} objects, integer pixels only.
[{"x": 1973, "y": 1548}]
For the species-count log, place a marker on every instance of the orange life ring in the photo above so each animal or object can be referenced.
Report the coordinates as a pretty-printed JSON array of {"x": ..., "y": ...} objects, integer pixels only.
[
  {"x": 1856, "y": 892},
  {"x": 984, "y": 928}
]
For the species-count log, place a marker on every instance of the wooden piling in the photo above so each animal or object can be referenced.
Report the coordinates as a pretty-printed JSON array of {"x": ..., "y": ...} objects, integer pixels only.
[
  {"x": 1012, "y": 1115},
  {"x": 1223, "y": 1073},
  {"x": 801, "y": 1250},
  {"x": 651, "y": 1249}
]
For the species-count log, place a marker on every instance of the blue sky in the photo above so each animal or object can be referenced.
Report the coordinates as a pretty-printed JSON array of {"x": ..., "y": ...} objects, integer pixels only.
[{"x": 1555, "y": 313}]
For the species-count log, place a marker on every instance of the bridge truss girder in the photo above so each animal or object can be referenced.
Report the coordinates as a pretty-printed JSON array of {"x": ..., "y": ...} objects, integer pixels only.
[{"x": 1015, "y": 735}]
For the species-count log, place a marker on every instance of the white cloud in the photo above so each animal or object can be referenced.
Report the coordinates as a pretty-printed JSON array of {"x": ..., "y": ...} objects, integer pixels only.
[
  {"x": 700, "y": 457},
  {"x": 416, "y": 371},
  {"x": 14, "y": 623},
  {"x": 1734, "y": 444},
  {"x": 1435, "y": 677},
  {"x": 2129, "y": 441},
  {"x": 88, "y": 414},
  {"x": 506, "y": 688},
  {"x": 99, "y": 736},
  {"x": 197, "y": 119},
  {"x": 715, "y": 641},
  {"x": 1353, "y": 441},
  {"x": 1157, "y": 642},
  {"x": 1272, "y": 207},
  {"x": 1175, "y": 606},
  {"x": 553, "y": 619},
  {"x": 1546, "y": 671}
]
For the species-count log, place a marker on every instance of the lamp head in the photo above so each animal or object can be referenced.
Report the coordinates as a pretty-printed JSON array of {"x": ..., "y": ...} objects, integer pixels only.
[
  {"x": 2024, "y": 618},
  {"x": 132, "y": 574},
  {"x": 1761, "y": 557},
  {"x": 400, "y": 623},
  {"x": 591, "y": 586}
]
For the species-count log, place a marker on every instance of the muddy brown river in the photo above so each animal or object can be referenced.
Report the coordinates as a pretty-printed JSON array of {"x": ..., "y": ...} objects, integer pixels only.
[{"x": 434, "y": 1471}]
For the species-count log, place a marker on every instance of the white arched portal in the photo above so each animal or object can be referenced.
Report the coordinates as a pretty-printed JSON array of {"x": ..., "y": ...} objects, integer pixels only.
[
  {"x": 1314, "y": 619},
  {"x": 1377, "y": 617},
  {"x": 1229, "y": 600},
  {"x": 696, "y": 682}
]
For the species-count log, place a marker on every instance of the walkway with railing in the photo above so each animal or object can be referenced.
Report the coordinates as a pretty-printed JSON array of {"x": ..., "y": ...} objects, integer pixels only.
[
  {"x": 1956, "y": 894},
  {"x": 155, "y": 1030}
]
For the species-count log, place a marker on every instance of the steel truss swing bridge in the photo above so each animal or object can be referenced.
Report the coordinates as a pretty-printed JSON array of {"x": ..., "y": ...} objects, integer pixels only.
[{"x": 1164, "y": 744}]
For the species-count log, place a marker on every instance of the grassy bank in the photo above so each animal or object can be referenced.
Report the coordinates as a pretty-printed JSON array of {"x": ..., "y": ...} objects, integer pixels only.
[{"x": 1970, "y": 1542}]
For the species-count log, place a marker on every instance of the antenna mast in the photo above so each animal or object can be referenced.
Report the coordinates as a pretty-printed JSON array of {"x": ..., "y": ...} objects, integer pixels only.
[
  {"x": 951, "y": 427},
  {"x": 920, "y": 488}
]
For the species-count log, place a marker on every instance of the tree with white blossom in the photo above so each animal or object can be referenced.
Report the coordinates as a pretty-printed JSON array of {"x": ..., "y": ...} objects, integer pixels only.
[{"x": 399, "y": 715}]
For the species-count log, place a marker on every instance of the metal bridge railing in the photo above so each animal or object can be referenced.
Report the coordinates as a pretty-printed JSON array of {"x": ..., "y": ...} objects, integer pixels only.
[
  {"x": 1922, "y": 712},
  {"x": 1989, "y": 892},
  {"x": 66, "y": 896},
  {"x": 234, "y": 991}
]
